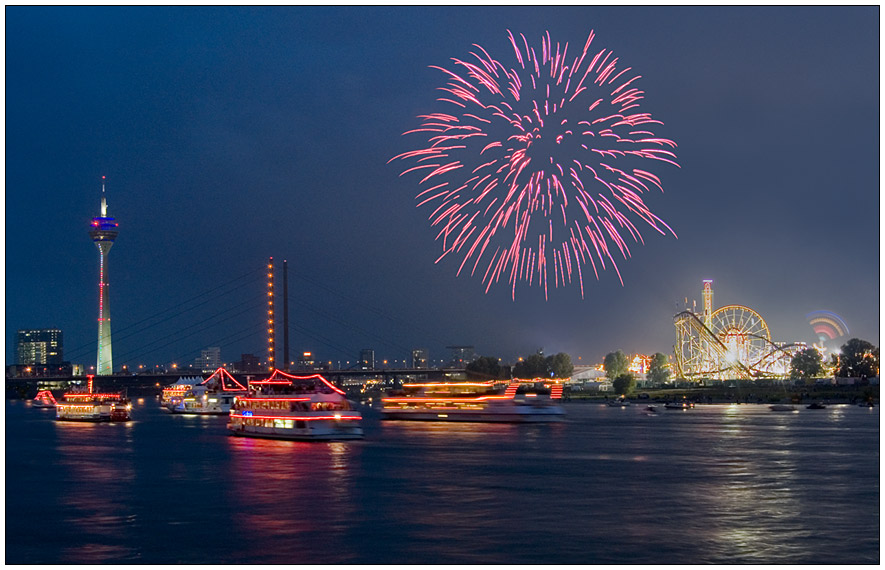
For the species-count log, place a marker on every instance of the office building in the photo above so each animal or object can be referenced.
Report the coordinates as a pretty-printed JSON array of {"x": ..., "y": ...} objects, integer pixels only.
[
  {"x": 367, "y": 359},
  {"x": 419, "y": 358},
  {"x": 210, "y": 359},
  {"x": 39, "y": 347}
]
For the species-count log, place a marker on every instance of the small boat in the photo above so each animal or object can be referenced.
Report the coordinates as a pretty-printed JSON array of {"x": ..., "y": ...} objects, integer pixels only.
[
  {"x": 867, "y": 405},
  {"x": 43, "y": 399},
  {"x": 679, "y": 405},
  {"x": 782, "y": 408},
  {"x": 470, "y": 402},
  {"x": 93, "y": 407},
  {"x": 619, "y": 403},
  {"x": 294, "y": 407},
  {"x": 816, "y": 406}
]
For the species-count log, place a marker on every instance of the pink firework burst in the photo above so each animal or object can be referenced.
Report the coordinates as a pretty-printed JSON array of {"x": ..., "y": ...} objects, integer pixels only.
[{"x": 539, "y": 167}]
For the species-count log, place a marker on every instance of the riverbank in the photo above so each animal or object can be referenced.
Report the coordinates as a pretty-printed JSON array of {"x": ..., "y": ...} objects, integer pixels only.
[{"x": 744, "y": 394}]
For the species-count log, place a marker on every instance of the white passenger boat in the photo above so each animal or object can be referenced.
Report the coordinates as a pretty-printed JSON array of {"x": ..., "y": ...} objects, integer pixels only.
[
  {"x": 285, "y": 406},
  {"x": 468, "y": 402},
  {"x": 93, "y": 407},
  {"x": 212, "y": 396}
]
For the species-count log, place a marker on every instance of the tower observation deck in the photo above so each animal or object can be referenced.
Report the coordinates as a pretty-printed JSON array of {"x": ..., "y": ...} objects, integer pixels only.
[{"x": 104, "y": 232}]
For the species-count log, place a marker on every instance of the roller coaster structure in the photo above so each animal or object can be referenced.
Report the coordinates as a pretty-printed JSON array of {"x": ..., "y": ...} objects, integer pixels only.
[{"x": 732, "y": 342}]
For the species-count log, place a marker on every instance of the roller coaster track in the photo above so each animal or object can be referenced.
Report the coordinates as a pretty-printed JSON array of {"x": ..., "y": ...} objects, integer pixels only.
[
  {"x": 701, "y": 352},
  {"x": 686, "y": 321}
]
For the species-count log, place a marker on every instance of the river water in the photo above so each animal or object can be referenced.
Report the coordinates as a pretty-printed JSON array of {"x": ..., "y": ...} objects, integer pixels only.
[{"x": 716, "y": 484}]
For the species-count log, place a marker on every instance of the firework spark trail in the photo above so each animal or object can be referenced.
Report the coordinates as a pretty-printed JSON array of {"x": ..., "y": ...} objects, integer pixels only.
[{"x": 536, "y": 164}]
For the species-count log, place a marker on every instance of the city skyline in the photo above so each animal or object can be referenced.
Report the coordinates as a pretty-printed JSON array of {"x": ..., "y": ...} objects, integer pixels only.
[{"x": 248, "y": 133}]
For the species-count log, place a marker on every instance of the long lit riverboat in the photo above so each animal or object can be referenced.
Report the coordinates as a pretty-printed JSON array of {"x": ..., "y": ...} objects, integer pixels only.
[
  {"x": 471, "y": 402},
  {"x": 93, "y": 407},
  {"x": 213, "y": 396},
  {"x": 295, "y": 407}
]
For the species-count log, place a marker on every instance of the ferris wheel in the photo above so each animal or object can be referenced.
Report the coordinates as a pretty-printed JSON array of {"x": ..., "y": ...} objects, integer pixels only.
[
  {"x": 735, "y": 344},
  {"x": 744, "y": 334}
]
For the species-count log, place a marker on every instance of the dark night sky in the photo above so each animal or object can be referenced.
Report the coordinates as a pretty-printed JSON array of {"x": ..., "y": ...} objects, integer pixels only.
[{"x": 231, "y": 134}]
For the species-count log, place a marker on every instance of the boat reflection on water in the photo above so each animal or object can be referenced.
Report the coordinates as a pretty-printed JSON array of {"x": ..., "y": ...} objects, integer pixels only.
[
  {"x": 287, "y": 490},
  {"x": 102, "y": 484}
]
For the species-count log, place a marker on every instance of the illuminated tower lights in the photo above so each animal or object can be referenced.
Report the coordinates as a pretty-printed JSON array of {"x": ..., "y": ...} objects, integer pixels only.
[
  {"x": 271, "y": 364},
  {"x": 708, "y": 302},
  {"x": 285, "y": 315},
  {"x": 104, "y": 232}
]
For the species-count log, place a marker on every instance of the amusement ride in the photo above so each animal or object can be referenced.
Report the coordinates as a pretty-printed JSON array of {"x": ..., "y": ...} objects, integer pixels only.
[{"x": 732, "y": 342}]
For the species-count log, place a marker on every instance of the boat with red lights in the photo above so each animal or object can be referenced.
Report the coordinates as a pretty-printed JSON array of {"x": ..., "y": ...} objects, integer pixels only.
[
  {"x": 471, "y": 402},
  {"x": 213, "y": 396},
  {"x": 285, "y": 406},
  {"x": 43, "y": 399},
  {"x": 93, "y": 407}
]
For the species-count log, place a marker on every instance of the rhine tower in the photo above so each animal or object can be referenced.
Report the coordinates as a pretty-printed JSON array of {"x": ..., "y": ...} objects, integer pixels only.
[{"x": 103, "y": 233}]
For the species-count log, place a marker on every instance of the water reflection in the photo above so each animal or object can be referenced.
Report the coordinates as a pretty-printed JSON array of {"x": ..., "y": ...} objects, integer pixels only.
[
  {"x": 293, "y": 499},
  {"x": 751, "y": 481},
  {"x": 96, "y": 498},
  {"x": 711, "y": 485},
  {"x": 463, "y": 489}
]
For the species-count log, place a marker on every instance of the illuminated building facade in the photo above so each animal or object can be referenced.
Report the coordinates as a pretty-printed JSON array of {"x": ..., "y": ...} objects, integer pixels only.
[
  {"x": 306, "y": 361},
  {"x": 104, "y": 232},
  {"x": 461, "y": 356},
  {"x": 210, "y": 359},
  {"x": 367, "y": 359},
  {"x": 419, "y": 358},
  {"x": 39, "y": 347}
]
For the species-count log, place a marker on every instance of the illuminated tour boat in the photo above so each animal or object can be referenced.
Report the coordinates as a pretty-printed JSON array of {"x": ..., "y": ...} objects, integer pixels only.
[
  {"x": 212, "y": 396},
  {"x": 295, "y": 407},
  {"x": 90, "y": 406},
  {"x": 172, "y": 395},
  {"x": 43, "y": 399},
  {"x": 471, "y": 402}
]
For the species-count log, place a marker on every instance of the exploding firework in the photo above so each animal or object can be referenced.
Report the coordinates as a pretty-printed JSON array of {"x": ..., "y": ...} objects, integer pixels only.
[{"x": 540, "y": 165}]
